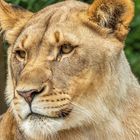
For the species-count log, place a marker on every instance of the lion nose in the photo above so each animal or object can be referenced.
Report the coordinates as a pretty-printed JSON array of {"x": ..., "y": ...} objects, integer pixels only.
[{"x": 29, "y": 95}]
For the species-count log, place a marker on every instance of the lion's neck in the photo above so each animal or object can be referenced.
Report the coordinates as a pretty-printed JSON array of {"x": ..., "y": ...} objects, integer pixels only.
[
  {"x": 8, "y": 127},
  {"x": 75, "y": 134}
]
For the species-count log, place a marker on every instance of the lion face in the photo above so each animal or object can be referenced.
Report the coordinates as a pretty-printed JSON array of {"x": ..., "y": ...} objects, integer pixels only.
[
  {"x": 52, "y": 71},
  {"x": 57, "y": 67}
]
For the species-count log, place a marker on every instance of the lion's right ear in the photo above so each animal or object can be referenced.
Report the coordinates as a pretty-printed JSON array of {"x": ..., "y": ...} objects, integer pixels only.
[{"x": 12, "y": 20}]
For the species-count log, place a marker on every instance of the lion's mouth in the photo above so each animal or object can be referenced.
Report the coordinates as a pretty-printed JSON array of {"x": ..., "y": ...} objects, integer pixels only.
[
  {"x": 63, "y": 114},
  {"x": 33, "y": 116}
]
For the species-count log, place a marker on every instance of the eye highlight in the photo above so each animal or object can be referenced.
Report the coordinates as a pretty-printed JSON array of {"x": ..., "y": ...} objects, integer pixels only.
[
  {"x": 66, "y": 48},
  {"x": 20, "y": 55}
]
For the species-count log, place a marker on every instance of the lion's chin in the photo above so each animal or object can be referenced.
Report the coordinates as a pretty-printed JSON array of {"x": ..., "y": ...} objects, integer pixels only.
[{"x": 41, "y": 127}]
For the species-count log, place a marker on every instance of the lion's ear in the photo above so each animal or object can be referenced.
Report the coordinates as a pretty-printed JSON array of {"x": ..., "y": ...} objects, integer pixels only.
[
  {"x": 114, "y": 15},
  {"x": 12, "y": 20}
]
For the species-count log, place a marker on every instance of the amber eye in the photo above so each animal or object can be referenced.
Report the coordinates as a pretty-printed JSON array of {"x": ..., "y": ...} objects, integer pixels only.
[
  {"x": 66, "y": 48},
  {"x": 20, "y": 54}
]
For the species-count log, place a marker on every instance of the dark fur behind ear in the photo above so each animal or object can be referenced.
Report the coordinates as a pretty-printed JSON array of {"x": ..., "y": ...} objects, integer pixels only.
[{"x": 112, "y": 14}]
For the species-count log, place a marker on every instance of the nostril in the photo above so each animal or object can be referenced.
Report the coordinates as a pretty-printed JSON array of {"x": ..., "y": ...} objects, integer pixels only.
[{"x": 29, "y": 95}]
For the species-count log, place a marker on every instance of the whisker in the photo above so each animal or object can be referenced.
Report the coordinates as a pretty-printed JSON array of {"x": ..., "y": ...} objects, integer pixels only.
[{"x": 83, "y": 110}]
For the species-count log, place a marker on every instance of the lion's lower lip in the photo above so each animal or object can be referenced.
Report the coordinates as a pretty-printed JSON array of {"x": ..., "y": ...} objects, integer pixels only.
[
  {"x": 40, "y": 116},
  {"x": 61, "y": 115}
]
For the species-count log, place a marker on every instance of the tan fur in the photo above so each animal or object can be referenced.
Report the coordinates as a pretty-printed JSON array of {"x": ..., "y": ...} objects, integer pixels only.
[
  {"x": 93, "y": 83},
  {"x": 12, "y": 21},
  {"x": 101, "y": 12}
]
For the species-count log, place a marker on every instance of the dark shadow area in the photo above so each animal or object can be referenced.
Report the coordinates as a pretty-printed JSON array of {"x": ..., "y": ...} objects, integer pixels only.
[{"x": 2, "y": 78}]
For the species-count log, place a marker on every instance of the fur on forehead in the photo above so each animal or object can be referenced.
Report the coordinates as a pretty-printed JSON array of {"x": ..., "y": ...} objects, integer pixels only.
[{"x": 107, "y": 16}]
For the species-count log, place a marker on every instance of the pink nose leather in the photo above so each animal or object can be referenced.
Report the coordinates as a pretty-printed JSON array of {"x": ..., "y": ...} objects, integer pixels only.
[{"x": 29, "y": 95}]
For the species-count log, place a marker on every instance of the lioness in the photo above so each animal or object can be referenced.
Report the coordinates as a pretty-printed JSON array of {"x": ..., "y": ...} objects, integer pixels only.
[{"x": 68, "y": 77}]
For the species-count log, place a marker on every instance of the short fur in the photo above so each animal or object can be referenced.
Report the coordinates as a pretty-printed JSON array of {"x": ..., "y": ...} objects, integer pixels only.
[{"x": 93, "y": 83}]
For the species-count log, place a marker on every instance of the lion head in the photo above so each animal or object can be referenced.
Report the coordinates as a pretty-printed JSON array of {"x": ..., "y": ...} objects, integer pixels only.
[{"x": 63, "y": 61}]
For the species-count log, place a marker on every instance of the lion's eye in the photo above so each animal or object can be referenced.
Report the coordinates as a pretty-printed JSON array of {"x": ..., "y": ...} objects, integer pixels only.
[
  {"x": 20, "y": 54},
  {"x": 66, "y": 48}
]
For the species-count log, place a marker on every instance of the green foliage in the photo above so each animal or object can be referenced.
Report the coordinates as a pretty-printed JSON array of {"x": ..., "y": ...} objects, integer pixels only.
[{"x": 132, "y": 42}]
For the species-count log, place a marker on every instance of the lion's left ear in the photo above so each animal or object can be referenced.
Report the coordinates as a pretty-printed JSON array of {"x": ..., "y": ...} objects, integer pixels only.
[
  {"x": 114, "y": 15},
  {"x": 12, "y": 20}
]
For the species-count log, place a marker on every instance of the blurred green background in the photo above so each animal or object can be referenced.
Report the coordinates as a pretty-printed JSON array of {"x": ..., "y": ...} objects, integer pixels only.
[{"x": 132, "y": 48}]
